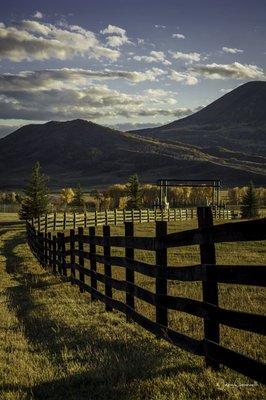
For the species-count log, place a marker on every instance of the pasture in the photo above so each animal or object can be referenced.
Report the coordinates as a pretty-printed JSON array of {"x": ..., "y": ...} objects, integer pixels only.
[{"x": 56, "y": 344}]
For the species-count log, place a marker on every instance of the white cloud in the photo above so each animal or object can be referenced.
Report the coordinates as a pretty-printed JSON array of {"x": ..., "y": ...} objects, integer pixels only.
[
  {"x": 113, "y": 29},
  {"x": 117, "y": 41},
  {"x": 38, "y": 14},
  {"x": 232, "y": 71},
  {"x": 140, "y": 76},
  {"x": 69, "y": 78},
  {"x": 232, "y": 50},
  {"x": 154, "y": 56},
  {"x": 178, "y": 36},
  {"x": 118, "y": 36},
  {"x": 159, "y": 55},
  {"x": 147, "y": 59},
  {"x": 160, "y": 26},
  {"x": 35, "y": 27},
  {"x": 171, "y": 101},
  {"x": 159, "y": 95},
  {"x": 185, "y": 77},
  {"x": 156, "y": 93},
  {"x": 32, "y": 40},
  {"x": 191, "y": 57}
]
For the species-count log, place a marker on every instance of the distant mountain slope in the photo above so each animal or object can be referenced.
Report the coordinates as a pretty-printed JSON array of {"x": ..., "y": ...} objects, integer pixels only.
[
  {"x": 244, "y": 105},
  {"x": 232, "y": 127},
  {"x": 79, "y": 151}
]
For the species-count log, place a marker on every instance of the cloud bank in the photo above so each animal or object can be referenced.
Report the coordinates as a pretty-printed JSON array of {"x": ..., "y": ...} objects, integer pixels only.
[
  {"x": 235, "y": 70},
  {"x": 34, "y": 40},
  {"x": 59, "y": 93}
]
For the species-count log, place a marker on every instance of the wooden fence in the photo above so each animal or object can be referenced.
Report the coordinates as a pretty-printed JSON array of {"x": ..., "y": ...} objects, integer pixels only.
[
  {"x": 63, "y": 221},
  {"x": 66, "y": 255}
]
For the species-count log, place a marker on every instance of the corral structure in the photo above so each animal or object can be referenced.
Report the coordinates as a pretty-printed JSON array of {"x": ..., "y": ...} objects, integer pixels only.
[{"x": 164, "y": 184}]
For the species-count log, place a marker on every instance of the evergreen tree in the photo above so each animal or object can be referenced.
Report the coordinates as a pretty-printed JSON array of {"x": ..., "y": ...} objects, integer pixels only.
[
  {"x": 36, "y": 201},
  {"x": 78, "y": 201},
  {"x": 134, "y": 193},
  {"x": 250, "y": 203}
]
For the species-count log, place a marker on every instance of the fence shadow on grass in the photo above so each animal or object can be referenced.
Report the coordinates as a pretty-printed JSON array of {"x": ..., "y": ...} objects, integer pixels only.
[
  {"x": 113, "y": 365},
  {"x": 94, "y": 386}
]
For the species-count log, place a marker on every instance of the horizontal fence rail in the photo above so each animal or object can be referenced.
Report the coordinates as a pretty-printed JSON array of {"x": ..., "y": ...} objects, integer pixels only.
[
  {"x": 68, "y": 220},
  {"x": 74, "y": 254}
]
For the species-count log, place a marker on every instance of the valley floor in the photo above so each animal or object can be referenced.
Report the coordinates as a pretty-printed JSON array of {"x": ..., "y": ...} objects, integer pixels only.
[{"x": 55, "y": 344}]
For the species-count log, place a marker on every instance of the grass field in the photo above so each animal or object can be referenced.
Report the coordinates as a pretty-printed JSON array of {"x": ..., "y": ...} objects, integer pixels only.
[{"x": 55, "y": 344}]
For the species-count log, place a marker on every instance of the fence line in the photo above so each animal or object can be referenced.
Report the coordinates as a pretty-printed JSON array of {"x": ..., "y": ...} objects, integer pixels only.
[
  {"x": 56, "y": 221},
  {"x": 74, "y": 256}
]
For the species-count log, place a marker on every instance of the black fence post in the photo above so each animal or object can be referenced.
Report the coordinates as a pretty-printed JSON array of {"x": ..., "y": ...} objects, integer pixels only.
[
  {"x": 161, "y": 281},
  {"x": 63, "y": 257},
  {"x": 41, "y": 248},
  {"x": 130, "y": 278},
  {"x": 45, "y": 237},
  {"x": 54, "y": 250},
  {"x": 59, "y": 253},
  {"x": 72, "y": 255},
  {"x": 54, "y": 228},
  {"x": 85, "y": 219},
  {"x": 49, "y": 255},
  {"x": 93, "y": 264},
  {"x": 46, "y": 223},
  {"x": 107, "y": 265},
  {"x": 210, "y": 289},
  {"x": 64, "y": 221},
  {"x": 81, "y": 256}
]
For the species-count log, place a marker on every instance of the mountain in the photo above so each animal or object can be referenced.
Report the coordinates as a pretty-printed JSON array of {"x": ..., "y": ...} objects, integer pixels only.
[
  {"x": 210, "y": 144},
  {"x": 244, "y": 105},
  {"x": 232, "y": 128},
  {"x": 79, "y": 151}
]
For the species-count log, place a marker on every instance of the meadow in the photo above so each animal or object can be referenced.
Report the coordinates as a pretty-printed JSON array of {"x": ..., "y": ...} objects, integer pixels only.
[{"x": 56, "y": 344}]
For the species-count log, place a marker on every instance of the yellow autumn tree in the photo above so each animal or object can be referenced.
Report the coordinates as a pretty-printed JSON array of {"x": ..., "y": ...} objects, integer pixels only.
[{"x": 67, "y": 196}]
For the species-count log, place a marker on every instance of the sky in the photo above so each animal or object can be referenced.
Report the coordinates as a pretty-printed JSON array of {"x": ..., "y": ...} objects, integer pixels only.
[{"x": 124, "y": 63}]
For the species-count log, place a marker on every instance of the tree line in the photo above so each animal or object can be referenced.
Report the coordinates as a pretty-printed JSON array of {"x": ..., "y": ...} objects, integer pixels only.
[{"x": 37, "y": 198}]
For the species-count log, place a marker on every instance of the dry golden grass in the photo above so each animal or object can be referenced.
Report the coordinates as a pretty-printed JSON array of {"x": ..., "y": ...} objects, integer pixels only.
[{"x": 55, "y": 344}]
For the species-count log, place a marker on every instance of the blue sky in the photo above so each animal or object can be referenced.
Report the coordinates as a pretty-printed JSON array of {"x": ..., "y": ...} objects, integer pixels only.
[{"x": 122, "y": 62}]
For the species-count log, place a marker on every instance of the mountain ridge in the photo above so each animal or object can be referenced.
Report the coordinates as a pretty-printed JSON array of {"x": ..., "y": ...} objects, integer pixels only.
[{"x": 216, "y": 110}]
